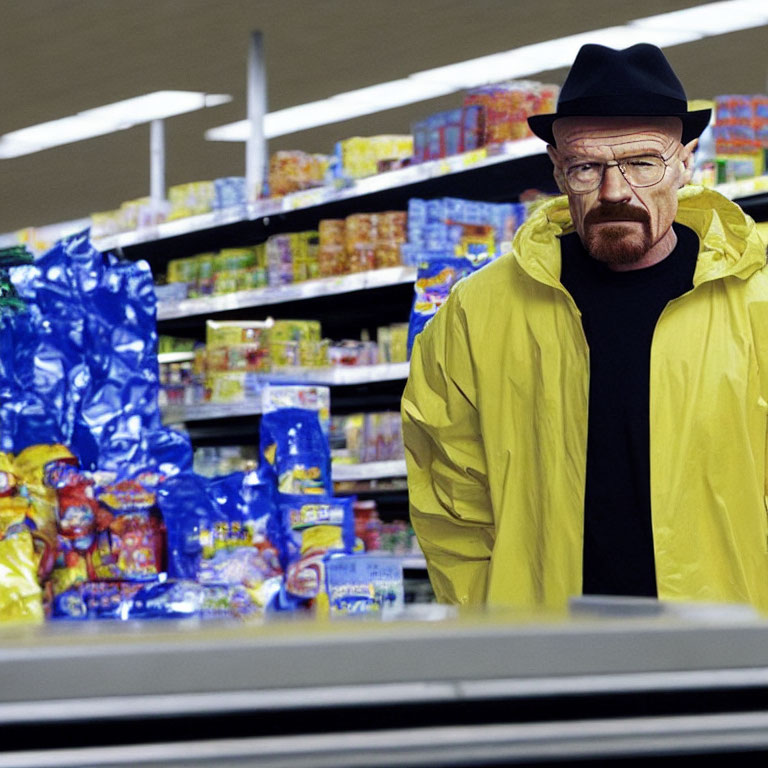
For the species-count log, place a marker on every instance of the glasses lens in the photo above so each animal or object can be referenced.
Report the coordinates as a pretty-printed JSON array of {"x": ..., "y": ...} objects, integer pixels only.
[
  {"x": 584, "y": 177},
  {"x": 643, "y": 171}
]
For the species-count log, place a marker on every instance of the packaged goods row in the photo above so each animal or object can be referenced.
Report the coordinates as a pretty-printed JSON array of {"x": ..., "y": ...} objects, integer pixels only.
[
  {"x": 453, "y": 227},
  {"x": 358, "y": 243},
  {"x": 493, "y": 114},
  {"x": 239, "y": 355},
  {"x": 366, "y": 437},
  {"x": 733, "y": 148},
  {"x": 489, "y": 116}
]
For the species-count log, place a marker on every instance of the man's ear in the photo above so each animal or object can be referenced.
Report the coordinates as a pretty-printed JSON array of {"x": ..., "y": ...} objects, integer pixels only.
[
  {"x": 557, "y": 172},
  {"x": 687, "y": 159}
]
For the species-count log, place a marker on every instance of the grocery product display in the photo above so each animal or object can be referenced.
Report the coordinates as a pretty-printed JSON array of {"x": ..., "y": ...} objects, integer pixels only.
[
  {"x": 449, "y": 238},
  {"x": 102, "y": 513},
  {"x": 363, "y": 437},
  {"x": 361, "y": 156},
  {"x": 491, "y": 115},
  {"x": 240, "y": 357},
  {"x": 358, "y": 243},
  {"x": 294, "y": 170},
  {"x": 740, "y": 136}
]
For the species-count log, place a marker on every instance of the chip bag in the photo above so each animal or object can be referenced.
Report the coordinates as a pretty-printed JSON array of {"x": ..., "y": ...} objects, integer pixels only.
[
  {"x": 295, "y": 453},
  {"x": 314, "y": 528}
]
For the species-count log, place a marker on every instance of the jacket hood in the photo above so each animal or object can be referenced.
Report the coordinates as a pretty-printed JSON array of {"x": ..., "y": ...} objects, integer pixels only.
[{"x": 730, "y": 242}]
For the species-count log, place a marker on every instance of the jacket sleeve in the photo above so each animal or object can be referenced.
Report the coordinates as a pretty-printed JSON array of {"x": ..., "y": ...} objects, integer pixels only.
[{"x": 447, "y": 476}]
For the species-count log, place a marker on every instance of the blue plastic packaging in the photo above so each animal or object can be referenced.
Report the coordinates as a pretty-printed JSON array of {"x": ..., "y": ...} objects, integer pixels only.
[
  {"x": 82, "y": 365},
  {"x": 295, "y": 454},
  {"x": 434, "y": 281}
]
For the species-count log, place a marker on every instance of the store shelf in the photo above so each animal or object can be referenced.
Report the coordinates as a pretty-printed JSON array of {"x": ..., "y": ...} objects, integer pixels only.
[
  {"x": 175, "y": 357},
  {"x": 370, "y": 470},
  {"x": 309, "y": 289},
  {"x": 311, "y": 198},
  {"x": 178, "y": 414},
  {"x": 339, "y": 375},
  {"x": 331, "y": 376}
]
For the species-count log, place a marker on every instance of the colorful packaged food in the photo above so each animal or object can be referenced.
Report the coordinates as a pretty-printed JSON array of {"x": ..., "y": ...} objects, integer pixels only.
[
  {"x": 316, "y": 398},
  {"x": 333, "y": 260},
  {"x": 332, "y": 232},
  {"x": 367, "y": 524},
  {"x": 132, "y": 546},
  {"x": 294, "y": 452},
  {"x": 20, "y": 591},
  {"x": 434, "y": 282},
  {"x": 228, "y": 333},
  {"x": 313, "y": 528}
]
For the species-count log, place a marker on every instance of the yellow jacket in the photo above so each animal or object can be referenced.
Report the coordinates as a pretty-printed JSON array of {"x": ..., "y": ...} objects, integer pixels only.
[{"x": 495, "y": 423}]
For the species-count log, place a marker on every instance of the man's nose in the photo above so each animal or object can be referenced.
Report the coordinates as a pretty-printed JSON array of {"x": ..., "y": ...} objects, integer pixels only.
[{"x": 614, "y": 187}]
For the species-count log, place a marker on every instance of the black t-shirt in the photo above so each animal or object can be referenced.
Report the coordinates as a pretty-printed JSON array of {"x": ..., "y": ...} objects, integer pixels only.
[{"x": 619, "y": 315}]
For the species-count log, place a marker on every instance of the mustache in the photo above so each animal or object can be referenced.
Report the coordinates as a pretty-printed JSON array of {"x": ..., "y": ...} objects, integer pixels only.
[{"x": 617, "y": 212}]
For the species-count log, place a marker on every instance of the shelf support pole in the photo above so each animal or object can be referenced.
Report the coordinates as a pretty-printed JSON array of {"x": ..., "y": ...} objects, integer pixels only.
[
  {"x": 256, "y": 145},
  {"x": 156, "y": 166}
]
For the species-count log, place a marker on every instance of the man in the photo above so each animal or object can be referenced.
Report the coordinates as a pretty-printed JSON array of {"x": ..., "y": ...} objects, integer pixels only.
[{"x": 588, "y": 413}]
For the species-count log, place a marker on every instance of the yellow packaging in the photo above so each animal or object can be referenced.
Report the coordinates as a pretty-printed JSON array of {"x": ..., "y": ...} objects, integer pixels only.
[
  {"x": 21, "y": 597},
  {"x": 225, "y": 281},
  {"x": 234, "y": 386},
  {"x": 225, "y": 333},
  {"x": 296, "y": 330},
  {"x": 182, "y": 270},
  {"x": 398, "y": 343}
]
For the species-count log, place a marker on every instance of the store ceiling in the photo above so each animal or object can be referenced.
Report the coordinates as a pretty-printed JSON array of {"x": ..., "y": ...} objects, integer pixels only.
[{"x": 58, "y": 57}]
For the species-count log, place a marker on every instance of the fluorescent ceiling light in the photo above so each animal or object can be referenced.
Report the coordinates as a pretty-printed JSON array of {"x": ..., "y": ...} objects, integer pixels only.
[
  {"x": 713, "y": 18},
  {"x": 664, "y": 30},
  {"x": 106, "y": 119}
]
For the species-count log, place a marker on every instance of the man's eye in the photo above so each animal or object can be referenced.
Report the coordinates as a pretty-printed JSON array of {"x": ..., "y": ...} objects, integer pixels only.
[
  {"x": 641, "y": 162},
  {"x": 582, "y": 168}
]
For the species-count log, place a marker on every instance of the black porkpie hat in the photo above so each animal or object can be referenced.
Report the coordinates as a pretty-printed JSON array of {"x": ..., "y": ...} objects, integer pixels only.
[{"x": 635, "y": 82}]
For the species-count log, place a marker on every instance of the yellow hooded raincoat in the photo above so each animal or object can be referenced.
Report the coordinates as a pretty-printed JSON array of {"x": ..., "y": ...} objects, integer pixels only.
[{"x": 495, "y": 423}]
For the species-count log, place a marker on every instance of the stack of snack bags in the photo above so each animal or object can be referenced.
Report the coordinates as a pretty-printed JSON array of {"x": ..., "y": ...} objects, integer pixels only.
[{"x": 101, "y": 514}]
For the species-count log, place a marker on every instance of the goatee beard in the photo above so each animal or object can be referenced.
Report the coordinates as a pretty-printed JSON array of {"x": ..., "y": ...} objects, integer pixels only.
[{"x": 617, "y": 244}]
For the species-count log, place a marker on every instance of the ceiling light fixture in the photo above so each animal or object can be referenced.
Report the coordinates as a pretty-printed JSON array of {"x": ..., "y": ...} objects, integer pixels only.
[
  {"x": 664, "y": 30},
  {"x": 106, "y": 119}
]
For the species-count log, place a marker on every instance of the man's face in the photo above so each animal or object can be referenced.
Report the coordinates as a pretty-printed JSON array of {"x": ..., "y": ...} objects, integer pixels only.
[{"x": 617, "y": 222}]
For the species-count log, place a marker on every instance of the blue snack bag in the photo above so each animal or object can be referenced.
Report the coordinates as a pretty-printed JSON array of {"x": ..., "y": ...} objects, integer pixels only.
[
  {"x": 295, "y": 454},
  {"x": 187, "y": 509},
  {"x": 87, "y": 351},
  {"x": 313, "y": 528},
  {"x": 434, "y": 281},
  {"x": 238, "y": 547}
]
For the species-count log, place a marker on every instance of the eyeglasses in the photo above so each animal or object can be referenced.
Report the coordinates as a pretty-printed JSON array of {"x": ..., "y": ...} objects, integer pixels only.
[{"x": 641, "y": 171}]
